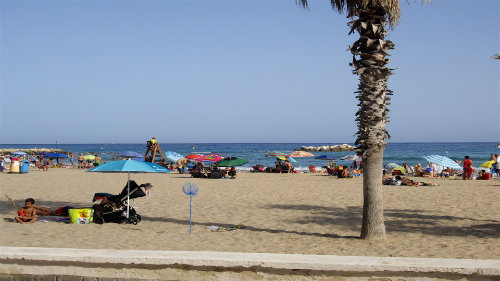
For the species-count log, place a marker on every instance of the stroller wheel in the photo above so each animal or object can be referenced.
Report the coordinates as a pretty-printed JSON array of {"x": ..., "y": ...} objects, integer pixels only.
[
  {"x": 99, "y": 220},
  {"x": 138, "y": 217},
  {"x": 132, "y": 220}
]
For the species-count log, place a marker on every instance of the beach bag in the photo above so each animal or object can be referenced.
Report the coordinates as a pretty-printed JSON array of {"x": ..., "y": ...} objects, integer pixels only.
[{"x": 81, "y": 216}]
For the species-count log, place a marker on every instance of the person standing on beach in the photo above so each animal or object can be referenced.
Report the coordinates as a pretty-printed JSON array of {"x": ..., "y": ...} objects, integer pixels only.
[
  {"x": 80, "y": 161},
  {"x": 467, "y": 174},
  {"x": 494, "y": 166}
]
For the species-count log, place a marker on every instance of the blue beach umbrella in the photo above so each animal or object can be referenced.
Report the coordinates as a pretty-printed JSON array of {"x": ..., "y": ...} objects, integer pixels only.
[
  {"x": 324, "y": 157},
  {"x": 172, "y": 155},
  {"x": 129, "y": 166},
  {"x": 130, "y": 154},
  {"x": 55, "y": 155},
  {"x": 18, "y": 153},
  {"x": 442, "y": 161}
]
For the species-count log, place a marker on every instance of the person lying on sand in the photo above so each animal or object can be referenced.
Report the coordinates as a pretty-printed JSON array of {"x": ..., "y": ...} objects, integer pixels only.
[{"x": 409, "y": 182}]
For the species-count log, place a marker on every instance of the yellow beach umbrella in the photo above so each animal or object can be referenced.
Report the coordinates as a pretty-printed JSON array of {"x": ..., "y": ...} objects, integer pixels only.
[
  {"x": 487, "y": 164},
  {"x": 89, "y": 157},
  {"x": 400, "y": 168}
]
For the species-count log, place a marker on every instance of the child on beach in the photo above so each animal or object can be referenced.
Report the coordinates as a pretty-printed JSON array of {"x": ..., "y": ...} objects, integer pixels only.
[{"x": 27, "y": 214}]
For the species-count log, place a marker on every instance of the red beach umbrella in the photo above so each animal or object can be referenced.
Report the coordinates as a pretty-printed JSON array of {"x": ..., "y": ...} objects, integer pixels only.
[{"x": 193, "y": 156}]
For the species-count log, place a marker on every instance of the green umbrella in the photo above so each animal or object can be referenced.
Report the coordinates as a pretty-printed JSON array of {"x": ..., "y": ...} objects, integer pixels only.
[{"x": 231, "y": 161}]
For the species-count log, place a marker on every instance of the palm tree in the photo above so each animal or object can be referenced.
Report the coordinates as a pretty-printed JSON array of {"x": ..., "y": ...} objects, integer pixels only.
[{"x": 370, "y": 19}]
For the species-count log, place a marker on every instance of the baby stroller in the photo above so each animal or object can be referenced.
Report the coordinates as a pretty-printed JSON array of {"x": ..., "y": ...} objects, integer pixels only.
[{"x": 113, "y": 208}]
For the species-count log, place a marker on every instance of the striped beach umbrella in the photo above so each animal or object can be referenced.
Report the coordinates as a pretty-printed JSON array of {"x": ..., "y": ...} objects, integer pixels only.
[
  {"x": 299, "y": 153},
  {"x": 442, "y": 161}
]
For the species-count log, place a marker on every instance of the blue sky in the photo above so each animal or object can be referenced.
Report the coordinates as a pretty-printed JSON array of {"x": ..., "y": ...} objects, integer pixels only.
[{"x": 237, "y": 71}]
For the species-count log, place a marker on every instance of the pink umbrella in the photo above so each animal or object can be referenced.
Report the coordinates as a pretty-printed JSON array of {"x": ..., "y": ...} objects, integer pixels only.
[{"x": 209, "y": 158}]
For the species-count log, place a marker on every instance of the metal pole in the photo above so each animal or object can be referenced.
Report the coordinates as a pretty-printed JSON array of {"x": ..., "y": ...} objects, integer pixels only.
[
  {"x": 190, "y": 214},
  {"x": 128, "y": 194}
]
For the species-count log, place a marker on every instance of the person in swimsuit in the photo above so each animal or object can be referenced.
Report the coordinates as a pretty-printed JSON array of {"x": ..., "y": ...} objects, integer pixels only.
[
  {"x": 27, "y": 214},
  {"x": 80, "y": 161}
]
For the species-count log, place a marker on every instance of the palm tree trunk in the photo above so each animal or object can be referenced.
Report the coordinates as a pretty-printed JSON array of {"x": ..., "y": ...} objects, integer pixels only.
[
  {"x": 373, "y": 210},
  {"x": 373, "y": 95}
]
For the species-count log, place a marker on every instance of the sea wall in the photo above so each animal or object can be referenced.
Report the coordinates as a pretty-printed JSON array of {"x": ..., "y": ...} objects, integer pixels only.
[
  {"x": 30, "y": 263},
  {"x": 7, "y": 151},
  {"x": 326, "y": 148}
]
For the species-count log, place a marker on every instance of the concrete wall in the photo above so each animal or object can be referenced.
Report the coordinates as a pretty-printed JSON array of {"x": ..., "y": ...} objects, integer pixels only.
[{"x": 87, "y": 264}]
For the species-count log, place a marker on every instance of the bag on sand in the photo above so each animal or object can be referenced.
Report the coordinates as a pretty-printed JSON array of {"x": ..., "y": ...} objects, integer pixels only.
[{"x": 81, "y": 216}]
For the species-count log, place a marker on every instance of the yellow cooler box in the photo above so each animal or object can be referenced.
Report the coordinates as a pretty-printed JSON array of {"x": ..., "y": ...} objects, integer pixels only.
[{"x": 81, "y": 216}]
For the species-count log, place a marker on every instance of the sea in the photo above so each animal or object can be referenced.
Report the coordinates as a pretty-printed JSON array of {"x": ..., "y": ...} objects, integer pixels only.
[{"x": 255, "y": 153}]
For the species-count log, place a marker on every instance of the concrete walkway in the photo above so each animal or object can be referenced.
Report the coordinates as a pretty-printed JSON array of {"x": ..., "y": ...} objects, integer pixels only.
[{"x": 30, "y": 263}]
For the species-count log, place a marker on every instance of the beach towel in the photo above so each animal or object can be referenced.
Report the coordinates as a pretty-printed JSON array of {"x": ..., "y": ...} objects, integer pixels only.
[{"x": 53, "y": 219}]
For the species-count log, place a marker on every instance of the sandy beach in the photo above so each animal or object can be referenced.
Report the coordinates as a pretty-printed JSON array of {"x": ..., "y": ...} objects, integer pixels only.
[{"x": 281, "y": 213}]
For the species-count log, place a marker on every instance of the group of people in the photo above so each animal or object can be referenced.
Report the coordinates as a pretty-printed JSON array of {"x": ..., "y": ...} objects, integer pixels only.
[
  {"x": 402, "y": 180},
  {"x": 212, "y": 171},
  {"x": 280, "y": 166},
  {"x": 29, "y": 212},
  {"x": 88, "y": 164}
]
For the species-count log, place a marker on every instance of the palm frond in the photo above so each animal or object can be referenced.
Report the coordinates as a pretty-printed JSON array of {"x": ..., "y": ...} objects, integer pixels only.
[{"x": 391, "y": 7}]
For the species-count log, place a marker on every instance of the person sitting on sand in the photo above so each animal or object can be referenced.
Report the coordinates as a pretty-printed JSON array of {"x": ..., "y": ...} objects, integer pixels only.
[
  {"x": 419, "y": 172},
  {"x": 27, "y": 214},
  {"x": 289, "y": 167},
  {"x": 445, "y": 173}
]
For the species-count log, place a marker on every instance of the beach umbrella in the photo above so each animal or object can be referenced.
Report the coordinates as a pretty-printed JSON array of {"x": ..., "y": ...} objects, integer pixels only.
[
  {"x": 193, "y": 156},
  {"x": 351, "y": 158},
  {"x": 400, "y": 168},
  {"x": 442, "y": 161},
  {"x": 291, "y": 159},
  {"x": 129, "y": 166},
  {"x": 89, "y": 157},
  {"x": 487, "y": 164},
  {"x": 392, "y": 165},
  {"x": 300, "y": 153},
  {"x": 56, "y": 155},
  {"x": 208, "y": 158},
  {"x": 172, "y": 156},
  {"x": 18, "y": 153},
  {"x": 217, "y": 154},
  {"x": 275, "y": 153},
  {"x": 324, "y": 157},
  {"x": 231, "y": 161},
  {"x": 131, "y": 154}
]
